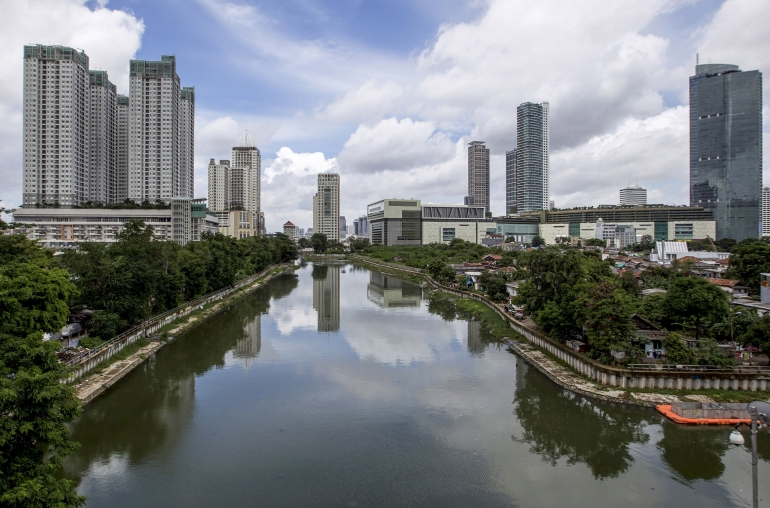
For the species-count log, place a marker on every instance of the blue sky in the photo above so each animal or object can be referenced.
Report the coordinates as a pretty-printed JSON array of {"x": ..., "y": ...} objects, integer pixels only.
[{"x": 388, "y": 93}]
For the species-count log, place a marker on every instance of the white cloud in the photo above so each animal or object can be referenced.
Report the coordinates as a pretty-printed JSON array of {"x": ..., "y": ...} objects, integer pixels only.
[{"x": 370, "y": 101}]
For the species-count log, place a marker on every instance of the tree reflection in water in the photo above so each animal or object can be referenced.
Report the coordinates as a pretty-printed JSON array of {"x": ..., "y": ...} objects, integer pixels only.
[
  {"x": 694, "y": 453},
  {"x": 558, "y": 424},
  {"x": 152, "y": 406}
]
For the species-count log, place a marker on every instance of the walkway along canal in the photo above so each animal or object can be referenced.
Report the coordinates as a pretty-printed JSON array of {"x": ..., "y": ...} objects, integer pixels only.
[{"x": 353, "y": 389}]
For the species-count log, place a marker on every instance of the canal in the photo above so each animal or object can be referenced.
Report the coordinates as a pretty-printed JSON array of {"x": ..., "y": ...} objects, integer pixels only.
[{"x": 339, "y": 386}]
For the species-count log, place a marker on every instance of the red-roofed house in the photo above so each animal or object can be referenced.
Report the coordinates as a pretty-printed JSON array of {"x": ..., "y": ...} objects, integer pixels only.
[{"x": 732, "y": 287}]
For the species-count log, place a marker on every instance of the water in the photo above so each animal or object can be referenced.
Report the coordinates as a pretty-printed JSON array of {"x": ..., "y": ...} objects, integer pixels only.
[{"x": 353, "y": 389}]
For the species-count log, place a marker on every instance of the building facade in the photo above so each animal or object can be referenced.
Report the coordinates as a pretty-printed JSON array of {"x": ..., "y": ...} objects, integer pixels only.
[
  {"x": 444, "y": 223},
  {"x": 766, "y": 211},
  {"x": 290, "y": 230},
  {"x": 185, "y": 173},
  {"x": 361, "y": 227},
  {"x": 158, "y": 171},
  {"x": 726, "y": 147},
  {"x": 246, "y": 173},
  {"x": 343, "y": 226},
  {"x": 56, "y": 119},
  {"x": 59, "y": 228},
  {"x": 478, "y": 174},
  {"x": 660, "y": 222},
  {"x": 103, "y": 154},
  {"x": 238, "y": 223},
  {"x": 633, "y": 196},
  {"x": 510, "y": 182},
  {"x": 395, "y": 222},
  {"x": 532, "y": 157},
  {"x": 121, "y": 156},
  {"x": 326, "y": 206}
]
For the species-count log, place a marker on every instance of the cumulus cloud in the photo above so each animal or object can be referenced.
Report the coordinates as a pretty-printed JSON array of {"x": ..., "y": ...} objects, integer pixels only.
[{"x": 109, "y": 37}]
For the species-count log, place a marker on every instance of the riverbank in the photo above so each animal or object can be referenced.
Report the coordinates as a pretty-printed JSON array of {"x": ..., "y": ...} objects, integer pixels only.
[
  {"x": 111, "y": 371},
  {"x": 565, "y": 376}
]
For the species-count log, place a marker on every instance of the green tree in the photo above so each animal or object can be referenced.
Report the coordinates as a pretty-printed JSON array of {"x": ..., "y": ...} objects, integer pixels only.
[
  {"x": 695, "y": 304},
  {"x": 319, "y": 243},
  {"x": 749, "y": 259},
  {"x": 537, "y": 241},
  {"x": 725, "y": 244},
  {"x": 359, "y": 244},
  {"x": 303, "y": 243},
  {"x": 595, "y": 242},
  {"x": 759, "y": 334},
  {"x": 605, "y": 314},
  {"x": 652, "y": 307},
  {"x": 677, "y": 351},
  {"x": 493, "y": 285},
  {"x": 34, "y": 406},
  {"x": 105, "y": 325}
]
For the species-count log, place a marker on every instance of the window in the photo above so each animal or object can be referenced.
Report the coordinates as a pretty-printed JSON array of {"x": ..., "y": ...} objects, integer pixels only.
[{"x": 447, "y": 234}]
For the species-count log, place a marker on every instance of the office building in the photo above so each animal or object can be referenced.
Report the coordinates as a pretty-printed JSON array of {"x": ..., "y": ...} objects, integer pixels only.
[
  {"x": 161, "y": 126},
  {"x": 121, "y": 149},
  {"x": 766, "y": 211},
  {"x": 478, "y": 175},
  {"x": 726, "y": 147},
  {"x": 343, "y": 226},
  {"x": 510, "y": 182},
  {"x": 660, "y": 222},
  {"x": 102, "y": 168},
  {"x": 361, "y": 227},
  {"x": 395, "y": 222},
  {"x": 532, "y": 157},
  {"x": 633, "y": 196},
  {"x": 444, "y": 223},
  {"x": 219, "y": 185},
  {"x": 56, "y": 119},
  {"x": 518, "y": 229},
  {"x": 326, "y": 206}
]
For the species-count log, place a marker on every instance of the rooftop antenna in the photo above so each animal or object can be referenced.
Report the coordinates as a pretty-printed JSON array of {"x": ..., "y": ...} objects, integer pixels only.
[{"x": 697, "y": 59}]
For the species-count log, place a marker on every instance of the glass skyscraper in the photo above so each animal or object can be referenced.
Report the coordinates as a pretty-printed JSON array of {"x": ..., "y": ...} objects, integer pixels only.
[
  {"x": 532, "y": 157},
  {"x": 726, "y": 147}
]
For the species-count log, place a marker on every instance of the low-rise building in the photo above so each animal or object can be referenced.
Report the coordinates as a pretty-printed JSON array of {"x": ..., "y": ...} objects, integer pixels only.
[
  {"x": 395, "y": 222},
  {"x": 62, "y": 228},
  {"x": 238, "y": 223},
  {"x": 444, "y": 223},
  {"x": 661, "y": 222},
  {"x": 732, "y": 287}
]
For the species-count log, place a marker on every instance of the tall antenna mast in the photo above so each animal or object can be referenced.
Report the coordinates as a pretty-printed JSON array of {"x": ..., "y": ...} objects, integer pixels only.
[{"x": 697, "y": 59}]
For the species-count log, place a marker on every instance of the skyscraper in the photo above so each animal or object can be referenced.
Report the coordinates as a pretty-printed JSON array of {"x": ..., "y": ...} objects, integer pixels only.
[
  {"x": 726, "y": 147},
  {"x": 633, "y": 196},
  {"x": 766, "y": 211},
  {"x": 122, "y": 149},
  {"x": 219, "y": 185},
  {"x": 532, "y": 157},
  {"x": 246, "y": 171},
  {"x": 326, "y": 206},
  {"x": 510, "y": 181},
  {"x": 343, "y": 226},
  {"x": 160, "y": 128},
  {"x": 56, "y": 126},
  {"x": 478, "y": 174},
  {"x": 103, "y": 177}
]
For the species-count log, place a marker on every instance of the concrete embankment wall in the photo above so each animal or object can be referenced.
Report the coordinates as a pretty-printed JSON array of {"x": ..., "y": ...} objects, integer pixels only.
[
  {"x": 658, "y": 377},
  {"x": 82, "y": 364}
]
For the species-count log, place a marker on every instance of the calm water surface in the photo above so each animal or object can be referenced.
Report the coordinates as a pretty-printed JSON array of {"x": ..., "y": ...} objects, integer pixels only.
[{"x": 353, "y": 389}]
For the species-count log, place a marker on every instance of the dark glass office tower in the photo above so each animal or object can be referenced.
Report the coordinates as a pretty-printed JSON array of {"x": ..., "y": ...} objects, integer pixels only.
[{"x": 726, "y": 147}]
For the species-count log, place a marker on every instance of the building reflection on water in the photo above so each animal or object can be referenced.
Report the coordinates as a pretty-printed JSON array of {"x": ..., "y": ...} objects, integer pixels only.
[
  {"x": 326, "y": 296},
  {"x": 251, "y": 343},
  {"x": 387, "y": 291},
  {"x": 475, "y": 345}
]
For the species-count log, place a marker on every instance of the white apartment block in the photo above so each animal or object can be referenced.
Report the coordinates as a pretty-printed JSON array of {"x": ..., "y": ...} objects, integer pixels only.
[
  {"x": 56, "y": 126},
  {"x": 326, "y": 206},
  {"x": 546, "y": 154},
  {"x": 765, "y": 212},
  {"x": 219, "y": 187},
  {"x": 155, "y": 129},
  {"x": 102, "y": 174},
  {"x": 246, "y": 171},
  {"x": 121, "y": 157},
  {"x": 186, "y": 168}
]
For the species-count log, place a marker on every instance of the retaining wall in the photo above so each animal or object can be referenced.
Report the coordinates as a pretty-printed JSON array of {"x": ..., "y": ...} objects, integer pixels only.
[
  {"x": 87, "y": 361},
  {"x": 652, "y": 377}
]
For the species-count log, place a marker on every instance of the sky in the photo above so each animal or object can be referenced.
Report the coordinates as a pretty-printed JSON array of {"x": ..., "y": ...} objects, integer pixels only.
[{"x": 388, "y": 93}]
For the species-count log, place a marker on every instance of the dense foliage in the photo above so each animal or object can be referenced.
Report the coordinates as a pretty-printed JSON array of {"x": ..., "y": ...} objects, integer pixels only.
[
  {"x": 34, "y": 406},
  {"x": 748, "y": 260},
  {"x": 420, "y": 256},
  {"x": 138, "y": 277}
]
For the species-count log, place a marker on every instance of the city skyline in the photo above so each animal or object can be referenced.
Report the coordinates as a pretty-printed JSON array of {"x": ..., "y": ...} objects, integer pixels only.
[{"x": 397, "y": 124}]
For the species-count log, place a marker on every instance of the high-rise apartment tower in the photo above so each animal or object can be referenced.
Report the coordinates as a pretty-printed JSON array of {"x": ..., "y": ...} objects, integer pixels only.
[
  {"x": 532, "y": 157},
  {"x": 246, "y": 171},
  {"x": 510, "y": 182},
  {"x": 326, "y": 206},
  {"x": 478, "y": 174},
  {"x": 161, "y": 126},
  {"x": 122, "y": 149},
  {"x": 56, "y": 126},
  {"x": 103, "y": 166},
  {"x": 726, "y": 147}
]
